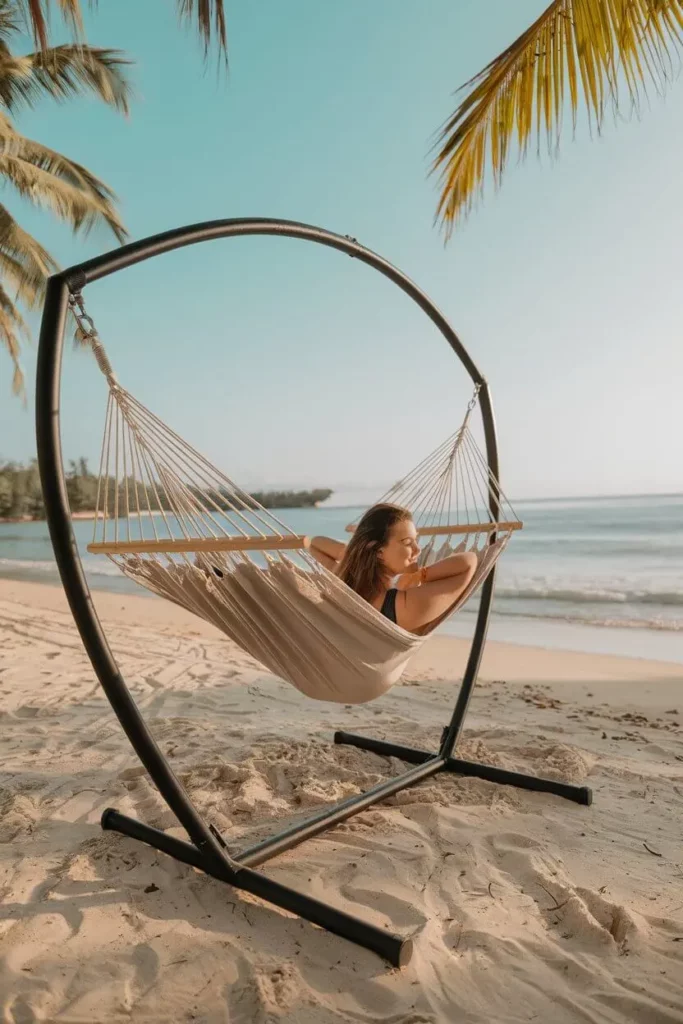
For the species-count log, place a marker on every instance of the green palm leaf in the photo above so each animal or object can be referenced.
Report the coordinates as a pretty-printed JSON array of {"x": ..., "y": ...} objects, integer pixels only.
[{"x": 592, "y": 51}]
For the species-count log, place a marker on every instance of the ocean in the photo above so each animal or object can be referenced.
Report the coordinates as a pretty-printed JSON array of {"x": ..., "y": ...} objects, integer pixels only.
[{"x": 595, "y": 574}]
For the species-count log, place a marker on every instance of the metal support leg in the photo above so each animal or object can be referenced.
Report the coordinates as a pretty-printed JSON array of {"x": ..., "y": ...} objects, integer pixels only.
[
  {"x": 410, "y": 754},
  {"x": 579, "y": 794},
  {"x": 393, "y": 948},
  {"x": 263, "y": 851}
]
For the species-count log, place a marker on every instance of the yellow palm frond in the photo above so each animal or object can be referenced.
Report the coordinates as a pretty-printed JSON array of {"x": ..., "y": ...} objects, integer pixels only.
[
  {"x": 62, "y": 72},
  {"x": 24, "y": 262},
  {"x": 36, "y": 13},
  {"x": 208, "y": 16},
  {"x": 592, "y": 51},
  {"x": 12, "y": 325},
  {"x": 52, "y": 181}
]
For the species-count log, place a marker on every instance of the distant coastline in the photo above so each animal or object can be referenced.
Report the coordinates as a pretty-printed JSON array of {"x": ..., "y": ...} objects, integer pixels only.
[{"x": 267, "y": 499}]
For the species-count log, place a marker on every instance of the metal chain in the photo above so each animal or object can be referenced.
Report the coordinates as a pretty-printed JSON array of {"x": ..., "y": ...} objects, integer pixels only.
[
  {"x": 86, "y": 324},
  {"x": 88, "y": 332},
  {"x": 474, "y": 398}
]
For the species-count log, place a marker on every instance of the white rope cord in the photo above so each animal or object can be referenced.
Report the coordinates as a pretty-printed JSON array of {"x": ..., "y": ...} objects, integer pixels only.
[
  {"x": 421, "y": 471},
  {"x": 106, "y": 489},
  {"x": 130, "y": 437},
  {"x": 251, "y": 504},
  {"x": 473, "y": 496},
  {"x": 102, "y": 467},
  {"x": 151, "y": 513},
  {"x": 175, "y": 462},
  {"x": 421, "y": 496},
  {"x": 483, "y": 497},
  {"x": 441, "y": 478},
  {"x": 415, "y": 481},
  {"x": 493, "y": 483},
  {"x": 117, "y": 485},
  {"x": 184, "y": 505},
  {"x": 124, "y": 440},
  {"x": 203, "y": 483}
]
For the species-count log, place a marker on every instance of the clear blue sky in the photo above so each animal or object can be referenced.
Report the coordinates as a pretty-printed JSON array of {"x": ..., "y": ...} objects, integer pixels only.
[{"x": 289, "y": 364}]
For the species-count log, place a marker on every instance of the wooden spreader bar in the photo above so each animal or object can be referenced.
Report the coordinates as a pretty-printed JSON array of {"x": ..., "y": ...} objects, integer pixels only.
[
  {"x": 290, "y": 542},
  {"x": 434, "y": 531}
]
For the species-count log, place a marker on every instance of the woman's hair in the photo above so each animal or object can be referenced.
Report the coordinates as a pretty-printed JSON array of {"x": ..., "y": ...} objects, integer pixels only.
[{"x": 361, "y": 568}]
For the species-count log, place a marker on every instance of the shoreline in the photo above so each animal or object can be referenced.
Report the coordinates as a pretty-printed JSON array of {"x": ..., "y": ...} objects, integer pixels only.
[
  {"x": 548, "y": 634},
  {"x": 441, "y": 650}
]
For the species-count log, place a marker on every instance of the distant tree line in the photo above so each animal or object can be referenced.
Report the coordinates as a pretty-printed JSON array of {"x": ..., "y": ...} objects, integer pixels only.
[
  {"x": 291, "y": 499},
  {"x": 21, "y": 494}
]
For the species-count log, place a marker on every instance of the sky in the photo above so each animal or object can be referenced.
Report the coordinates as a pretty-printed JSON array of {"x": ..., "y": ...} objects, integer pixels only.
[{"x": 291, "y": 365}]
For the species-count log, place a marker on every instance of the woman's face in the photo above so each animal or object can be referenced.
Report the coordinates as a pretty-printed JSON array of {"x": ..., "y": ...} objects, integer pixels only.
[{"x": 400, "y": 553}]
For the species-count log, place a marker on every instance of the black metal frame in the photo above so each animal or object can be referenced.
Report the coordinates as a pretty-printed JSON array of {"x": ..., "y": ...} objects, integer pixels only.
[{"x": 207, "y": 850}]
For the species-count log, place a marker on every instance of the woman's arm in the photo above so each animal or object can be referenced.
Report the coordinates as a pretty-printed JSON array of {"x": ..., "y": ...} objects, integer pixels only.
[
  {"x": 328, "y": 552},
  {"x": 444, "y": 581},
  {"x": 445, "y": 567}
]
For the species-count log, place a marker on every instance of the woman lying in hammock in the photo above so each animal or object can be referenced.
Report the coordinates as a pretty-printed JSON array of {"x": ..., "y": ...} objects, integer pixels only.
[{"x": 383, "y": 547}]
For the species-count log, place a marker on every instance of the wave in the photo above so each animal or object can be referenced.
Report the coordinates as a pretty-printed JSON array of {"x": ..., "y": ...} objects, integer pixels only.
[
  {"x": 602, "y": 622},
  {"x": 92, "y": 567},
  {"x": 561, "y": 544},
  {"x": 588, "y": 594},
  {"x": 661, "y": 625}
]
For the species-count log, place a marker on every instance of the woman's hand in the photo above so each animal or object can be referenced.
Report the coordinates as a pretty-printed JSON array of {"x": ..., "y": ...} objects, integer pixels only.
[{"x": 409, "y": 579}]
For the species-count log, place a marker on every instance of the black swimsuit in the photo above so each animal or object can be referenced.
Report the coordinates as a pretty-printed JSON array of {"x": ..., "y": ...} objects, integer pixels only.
[{"x": 389, "y": 605}]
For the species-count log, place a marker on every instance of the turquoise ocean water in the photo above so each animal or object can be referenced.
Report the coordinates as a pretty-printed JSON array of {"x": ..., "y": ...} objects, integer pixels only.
[{"x": 600, "y": 574}]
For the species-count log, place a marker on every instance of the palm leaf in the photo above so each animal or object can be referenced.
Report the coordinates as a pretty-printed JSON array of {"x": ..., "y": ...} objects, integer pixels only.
[
  {"x": 24, "y": 264},
  {"x": 62, "y": 72},
  {"x": 209, "y": 16},
  {"x": 52, "y": 181},
  {"x": 598, "y": 50},
  {"x": 12, "y": 325},
  {"x": 36, "y": 13}
]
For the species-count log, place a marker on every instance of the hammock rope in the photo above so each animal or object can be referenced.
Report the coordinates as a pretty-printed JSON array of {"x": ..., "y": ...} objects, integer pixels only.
[{"x": 177, "y": 525}]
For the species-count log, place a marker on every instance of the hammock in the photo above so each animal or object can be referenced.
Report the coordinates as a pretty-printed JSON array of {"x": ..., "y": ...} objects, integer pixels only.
[{"x": 176, "y": 525}]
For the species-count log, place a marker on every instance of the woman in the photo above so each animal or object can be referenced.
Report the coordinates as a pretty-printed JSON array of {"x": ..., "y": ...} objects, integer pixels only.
[{"x": 384, "y": 546}]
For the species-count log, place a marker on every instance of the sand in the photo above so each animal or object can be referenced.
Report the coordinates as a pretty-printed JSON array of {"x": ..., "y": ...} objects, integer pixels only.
[{"x": 524, "y": 907}]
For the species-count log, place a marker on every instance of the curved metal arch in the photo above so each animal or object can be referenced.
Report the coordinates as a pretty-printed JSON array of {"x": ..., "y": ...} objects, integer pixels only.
[{"x": 50, "y": 458}]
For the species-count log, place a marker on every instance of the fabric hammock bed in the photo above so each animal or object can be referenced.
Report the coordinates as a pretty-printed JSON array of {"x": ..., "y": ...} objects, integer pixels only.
[{"x": 180, "y": 527}]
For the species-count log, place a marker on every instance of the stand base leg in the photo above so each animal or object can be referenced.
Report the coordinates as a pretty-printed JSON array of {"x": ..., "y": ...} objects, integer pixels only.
[
  {"x": 393, "y": 948},
  {"x": 578, "y": 794}
]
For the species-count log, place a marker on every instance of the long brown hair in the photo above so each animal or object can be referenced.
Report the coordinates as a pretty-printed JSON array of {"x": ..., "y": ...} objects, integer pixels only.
[{"x": 361, "y": 568}]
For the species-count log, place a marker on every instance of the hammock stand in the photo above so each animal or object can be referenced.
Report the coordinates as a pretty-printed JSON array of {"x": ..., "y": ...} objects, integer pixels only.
[{"x": 207, "y": 849}]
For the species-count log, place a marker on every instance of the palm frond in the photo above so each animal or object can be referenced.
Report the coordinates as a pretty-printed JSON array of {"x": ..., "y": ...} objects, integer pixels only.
[
  {"x": 36, "y": 14},
  {"x": 599, "y": 50},
  {"x": 52, "y": 181},
  {"x": 62, "y": 72},
  {"x": 12, "y": 325},
  {"x": 209, "y": 16},
  {"x": 25, "y": 264}
]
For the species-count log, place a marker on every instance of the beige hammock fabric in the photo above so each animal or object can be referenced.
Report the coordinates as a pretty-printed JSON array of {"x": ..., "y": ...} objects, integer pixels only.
[
  {"x": 169, "y": 519},
  {"x": 305, "y": 626}
]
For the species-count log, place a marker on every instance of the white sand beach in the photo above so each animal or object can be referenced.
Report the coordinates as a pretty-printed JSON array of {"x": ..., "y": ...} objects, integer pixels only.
[{"x": 523, "y": 907}]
